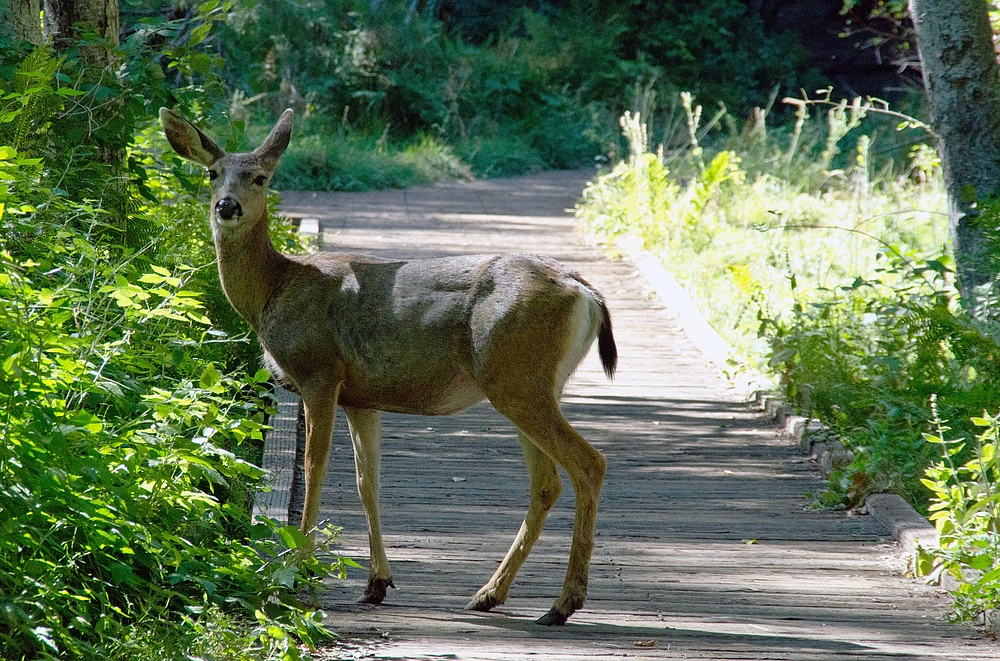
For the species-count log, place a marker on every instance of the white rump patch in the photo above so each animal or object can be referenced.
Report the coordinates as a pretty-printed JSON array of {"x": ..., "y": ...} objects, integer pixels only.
[{"x": 584, "y": 323}]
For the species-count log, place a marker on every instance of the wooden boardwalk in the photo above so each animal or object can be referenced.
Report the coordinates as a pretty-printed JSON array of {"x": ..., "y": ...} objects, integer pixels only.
[{"x": 707, "y": 547}]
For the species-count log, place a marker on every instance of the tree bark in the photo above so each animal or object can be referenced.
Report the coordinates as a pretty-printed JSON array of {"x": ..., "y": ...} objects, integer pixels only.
[
  {"x": 962, "y": 79},
  {"x": 21, "y": 20},
  {"x": 101, "y": 15}
]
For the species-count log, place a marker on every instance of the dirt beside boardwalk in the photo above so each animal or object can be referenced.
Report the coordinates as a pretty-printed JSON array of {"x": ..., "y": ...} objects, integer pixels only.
[{"x": 707, "y": 547}]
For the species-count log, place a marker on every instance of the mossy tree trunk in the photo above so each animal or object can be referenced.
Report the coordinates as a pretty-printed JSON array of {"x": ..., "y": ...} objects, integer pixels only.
[
  {"x": 20, "y": 20},
  {"x": 962, "y": 79},
  {"x": 104, "y": 175},
  {"x": 61, "y": 17}
]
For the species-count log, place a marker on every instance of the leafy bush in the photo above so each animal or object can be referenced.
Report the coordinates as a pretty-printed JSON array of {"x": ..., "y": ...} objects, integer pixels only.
[
  {"x": 965, "y": 510},
  {"x": 868, "y": 358},
  {"x": 129, "y": 423},
  {"x": 120, "y": 499},
  {"x": 831, "y": 275}
]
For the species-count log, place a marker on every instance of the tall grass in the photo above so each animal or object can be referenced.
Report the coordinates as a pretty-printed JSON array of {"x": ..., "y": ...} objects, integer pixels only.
[
  {"x": 828, "y": 267},
  {"x": 739, "y": 221}
]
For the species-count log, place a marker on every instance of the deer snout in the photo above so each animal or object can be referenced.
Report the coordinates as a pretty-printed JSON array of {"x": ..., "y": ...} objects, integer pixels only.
[{"x": 227, "y": 207}]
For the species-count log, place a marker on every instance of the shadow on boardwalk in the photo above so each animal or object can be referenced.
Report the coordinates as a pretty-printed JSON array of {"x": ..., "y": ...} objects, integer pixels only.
[{"x": 707, "y": 547}]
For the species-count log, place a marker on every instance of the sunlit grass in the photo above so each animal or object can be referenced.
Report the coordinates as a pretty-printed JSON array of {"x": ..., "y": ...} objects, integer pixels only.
[{"x": 738, "y": 238}]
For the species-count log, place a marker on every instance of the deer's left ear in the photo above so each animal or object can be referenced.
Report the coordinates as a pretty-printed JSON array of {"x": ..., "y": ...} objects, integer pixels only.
[{"x": 277, "y": 141}]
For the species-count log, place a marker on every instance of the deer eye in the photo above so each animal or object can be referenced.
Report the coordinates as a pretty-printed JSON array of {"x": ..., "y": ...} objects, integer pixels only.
[
  {"x": 260, "y": 180},
  {"x": 213, "y": 175}
]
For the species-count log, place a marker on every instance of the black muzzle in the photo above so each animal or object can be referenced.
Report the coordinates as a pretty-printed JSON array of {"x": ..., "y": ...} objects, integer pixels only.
[{"x": 227, "y": 207}]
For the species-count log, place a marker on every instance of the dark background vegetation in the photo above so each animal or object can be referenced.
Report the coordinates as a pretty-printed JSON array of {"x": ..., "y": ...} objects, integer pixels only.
[{"x": 512, "y": 87}]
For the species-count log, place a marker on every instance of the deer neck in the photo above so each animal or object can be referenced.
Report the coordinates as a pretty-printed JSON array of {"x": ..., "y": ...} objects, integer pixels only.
[{"x": 250, "y": 268}]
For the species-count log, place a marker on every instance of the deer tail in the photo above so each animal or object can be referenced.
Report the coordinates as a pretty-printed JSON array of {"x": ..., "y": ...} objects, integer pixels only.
[{"x": 606, "y": 347}]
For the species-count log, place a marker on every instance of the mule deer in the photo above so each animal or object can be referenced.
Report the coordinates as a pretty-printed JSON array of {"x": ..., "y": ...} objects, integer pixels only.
[{"x": 429, "y": 337}]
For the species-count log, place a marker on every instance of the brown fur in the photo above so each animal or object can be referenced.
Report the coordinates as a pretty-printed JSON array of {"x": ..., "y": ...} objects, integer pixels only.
[{"x": 429, "y": 337}]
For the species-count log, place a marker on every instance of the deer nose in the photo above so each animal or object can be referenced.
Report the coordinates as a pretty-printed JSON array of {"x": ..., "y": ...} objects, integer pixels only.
[{"x": 227, "y": 207}]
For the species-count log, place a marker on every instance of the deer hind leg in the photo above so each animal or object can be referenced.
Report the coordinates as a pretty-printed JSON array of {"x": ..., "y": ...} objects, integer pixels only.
[
  {"x": 545, "y": 489},
  {"x": 366, "y": 436},
  {"x": 542, "y": 422},
  {"x": 320, "y": 408}
]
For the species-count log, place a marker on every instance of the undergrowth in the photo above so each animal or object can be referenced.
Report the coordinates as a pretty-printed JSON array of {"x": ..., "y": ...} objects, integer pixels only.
[
  {"x": 830, "y": 272},
  {"x": 132, "y": 407},
  {"x": 509, "y": 89},
  {"x": 966, "y": 513}
]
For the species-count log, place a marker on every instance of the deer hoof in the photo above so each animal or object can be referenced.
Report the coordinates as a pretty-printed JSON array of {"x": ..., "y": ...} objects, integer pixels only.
[
  {"x": 375, "y": 590},
  {"x": 552, "y": 619},
  {"x": 483, "y": 603}
]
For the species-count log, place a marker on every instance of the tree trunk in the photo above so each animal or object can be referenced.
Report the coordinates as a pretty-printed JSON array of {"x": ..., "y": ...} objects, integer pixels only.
[
  {"x": 66, "y": 21},
  {"x": 962, "y": 79},
  {"x": 101, "y": 15},
  {"x": 21, "y": 20}
]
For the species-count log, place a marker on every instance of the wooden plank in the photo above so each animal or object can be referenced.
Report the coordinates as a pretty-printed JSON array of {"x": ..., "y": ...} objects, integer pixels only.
[{"x": 279, "y": 459}]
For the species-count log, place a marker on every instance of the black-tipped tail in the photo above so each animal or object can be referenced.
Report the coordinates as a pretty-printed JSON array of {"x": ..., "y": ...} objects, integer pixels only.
[{"x": 606, "y": 347}]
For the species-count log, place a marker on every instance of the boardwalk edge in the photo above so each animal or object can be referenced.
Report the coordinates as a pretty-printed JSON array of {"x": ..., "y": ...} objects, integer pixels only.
[
  {"x": 279, "y": 459},
  {"x": 906, "y": 526},
  {"x": 690, "y": 318}
]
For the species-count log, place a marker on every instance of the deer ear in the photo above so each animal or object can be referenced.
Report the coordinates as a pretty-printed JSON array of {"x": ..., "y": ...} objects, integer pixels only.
[
  {"x": 277, "y": 141},
  {"x": 187, "y": 140}
]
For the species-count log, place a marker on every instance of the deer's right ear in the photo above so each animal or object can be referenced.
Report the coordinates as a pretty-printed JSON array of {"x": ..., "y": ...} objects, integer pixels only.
[{"x": 187, "y": 140}]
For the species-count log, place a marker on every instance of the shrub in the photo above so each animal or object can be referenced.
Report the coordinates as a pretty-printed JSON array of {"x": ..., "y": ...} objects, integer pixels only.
[
  {"x": 965, "y": 510},
  {"x": 128, "y": 425},
  {"x": 833, "y": 276}
]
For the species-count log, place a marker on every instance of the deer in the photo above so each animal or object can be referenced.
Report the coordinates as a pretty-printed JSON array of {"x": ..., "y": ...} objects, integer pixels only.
[{"x": 427, "y": 337}]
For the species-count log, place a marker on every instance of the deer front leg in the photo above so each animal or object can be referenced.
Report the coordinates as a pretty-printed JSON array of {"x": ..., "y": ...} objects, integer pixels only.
[
  {"x": 320, "y": 408},
  {"x": 366, "y": 436},
  {"x": 545, "y": 488}
]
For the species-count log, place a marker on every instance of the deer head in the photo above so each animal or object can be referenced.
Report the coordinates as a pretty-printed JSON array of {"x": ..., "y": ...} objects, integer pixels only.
[{"x": 238, "y": 181}]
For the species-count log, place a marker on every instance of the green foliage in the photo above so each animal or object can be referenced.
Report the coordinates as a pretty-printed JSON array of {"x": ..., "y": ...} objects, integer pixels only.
[
  {"x": 536, "y": 90},
  {"x": 500, "y": 155},
  {"x": 754, "y": 209},
  {"x": 867, "y": 358},
  {"x": 346, "y": 160},
  {"x": 718, "y": 49},
  {"x": 826, "y": 267},
  {"x": 965, "y": 509},
  {"x": 641, "y": 197},
  {"x": 130, "y": 418}
]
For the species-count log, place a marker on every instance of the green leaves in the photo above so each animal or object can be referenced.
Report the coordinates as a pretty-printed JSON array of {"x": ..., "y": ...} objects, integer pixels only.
[
  {"x": 293, "y": 538},
  {"x": 210, "y": 378},
  {"x": 965, "y": 508},
  {"x": 128, "y": 423}
]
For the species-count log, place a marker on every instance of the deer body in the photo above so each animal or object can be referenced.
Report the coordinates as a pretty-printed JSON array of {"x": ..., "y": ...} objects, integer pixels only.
[{"x": 429, "y": 337}]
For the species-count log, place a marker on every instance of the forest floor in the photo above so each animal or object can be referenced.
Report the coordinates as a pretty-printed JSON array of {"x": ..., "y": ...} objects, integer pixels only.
[{"x": 708, "y": 546}]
